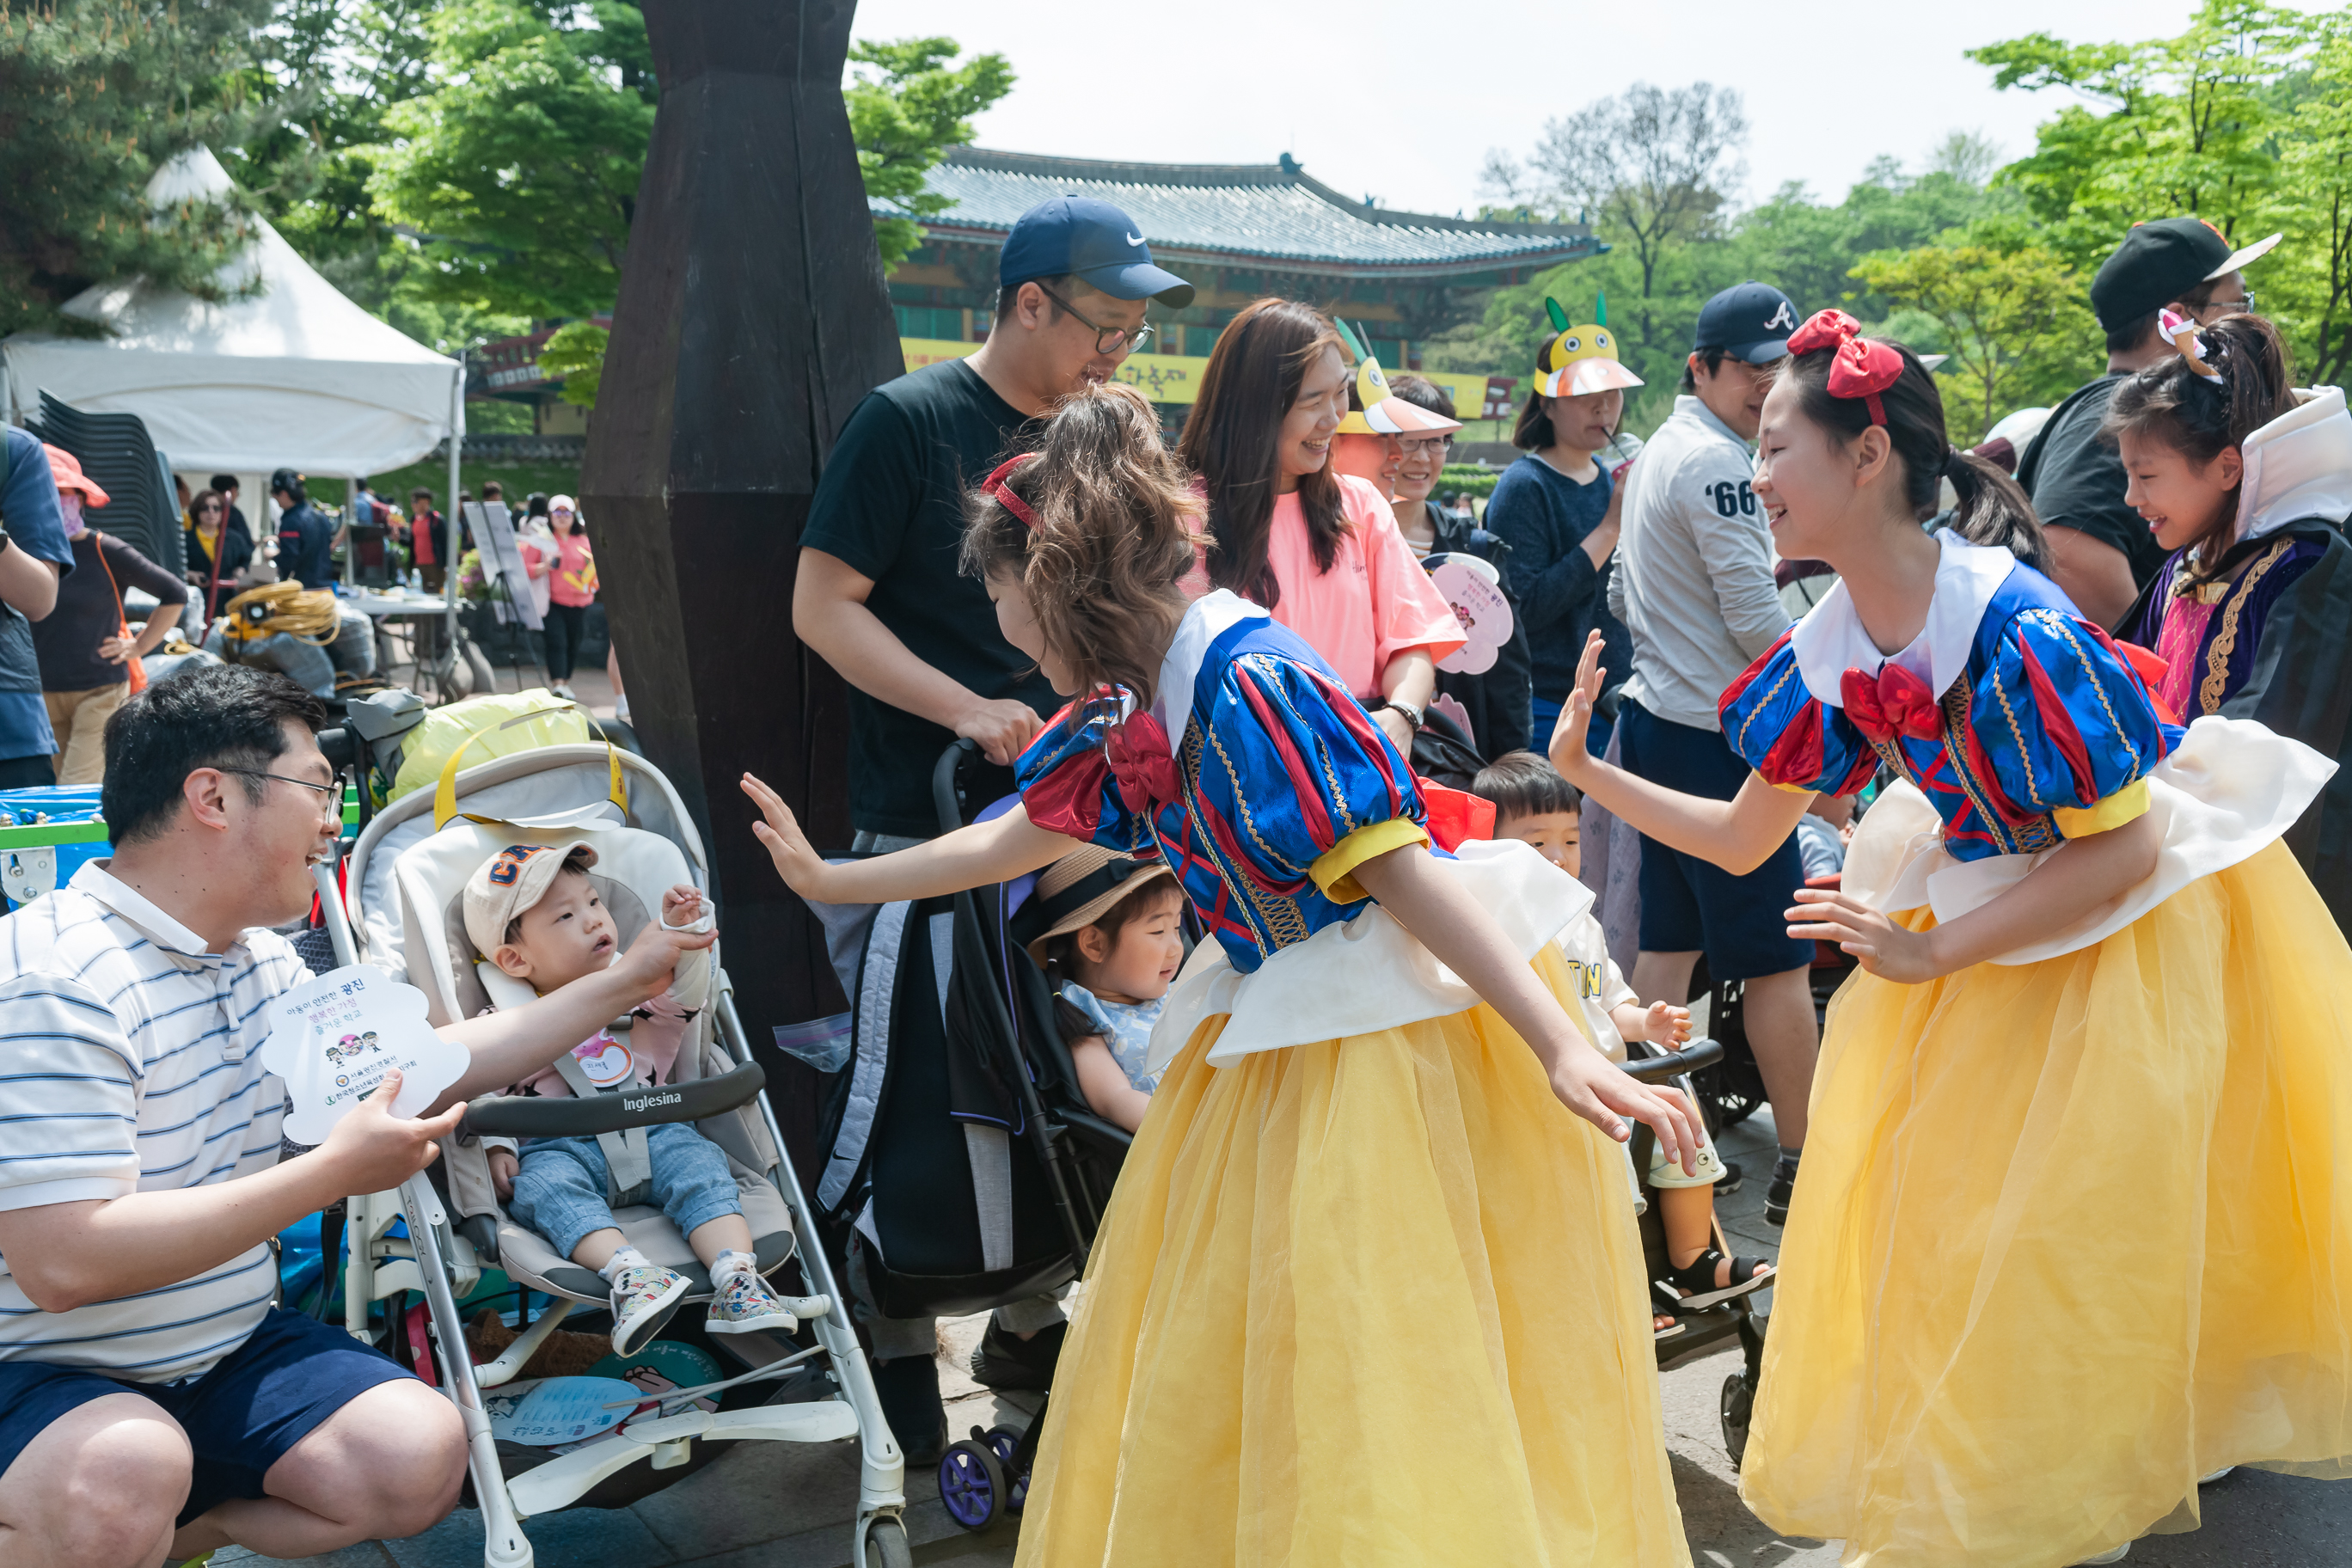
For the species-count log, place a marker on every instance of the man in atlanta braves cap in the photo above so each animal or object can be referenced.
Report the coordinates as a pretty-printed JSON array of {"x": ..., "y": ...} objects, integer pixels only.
[
  {"x": 1694, "y": 586},
  {"x": 2101, "y": 551}
]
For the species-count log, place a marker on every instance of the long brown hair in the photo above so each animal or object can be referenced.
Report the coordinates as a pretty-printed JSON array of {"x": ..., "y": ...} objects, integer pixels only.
[
  {"x": 1113, "y": 536},
  {"x": 1233, "y": 440},
  {"x": 1992, "y": 511},
  {"x": 2169, "y": 402}
]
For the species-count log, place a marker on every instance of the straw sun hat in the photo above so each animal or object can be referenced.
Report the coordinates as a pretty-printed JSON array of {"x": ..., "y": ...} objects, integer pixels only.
[{"x": 1078, "y": 889}]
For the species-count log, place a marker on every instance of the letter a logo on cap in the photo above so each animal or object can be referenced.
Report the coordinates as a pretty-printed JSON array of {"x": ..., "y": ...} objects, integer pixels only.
[{"x": 1785, "y": 317}]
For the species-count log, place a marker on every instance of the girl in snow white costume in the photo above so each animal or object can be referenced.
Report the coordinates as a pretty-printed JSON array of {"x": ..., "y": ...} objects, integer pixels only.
[{"x": 1369, "y": 1288}]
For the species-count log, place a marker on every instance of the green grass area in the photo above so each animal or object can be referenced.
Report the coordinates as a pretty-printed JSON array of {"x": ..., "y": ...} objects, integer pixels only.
[{"x": 519, "y": 479}]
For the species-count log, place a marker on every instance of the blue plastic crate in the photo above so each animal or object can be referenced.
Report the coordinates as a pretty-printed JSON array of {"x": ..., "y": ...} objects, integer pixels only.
[{"x": 46, "y": 835}]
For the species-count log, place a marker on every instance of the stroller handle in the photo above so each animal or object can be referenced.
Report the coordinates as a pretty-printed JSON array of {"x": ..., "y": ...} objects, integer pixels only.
[
  {"x": 1690, "y": 1058},
  {"x": 568, "y": 1116}
]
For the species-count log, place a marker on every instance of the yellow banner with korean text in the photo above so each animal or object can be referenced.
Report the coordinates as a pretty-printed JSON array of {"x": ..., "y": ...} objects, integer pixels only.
[{"x": 1176, "y": 378}]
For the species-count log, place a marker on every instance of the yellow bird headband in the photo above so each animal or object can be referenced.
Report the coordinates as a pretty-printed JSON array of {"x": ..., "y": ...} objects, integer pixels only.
[
  {"x": 1383, "y": 413},
  {"x": 1580, "y": 360}
]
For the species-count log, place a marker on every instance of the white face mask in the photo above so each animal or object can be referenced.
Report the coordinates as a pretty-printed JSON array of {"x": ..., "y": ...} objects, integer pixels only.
[{"x": 69, "y": 502}]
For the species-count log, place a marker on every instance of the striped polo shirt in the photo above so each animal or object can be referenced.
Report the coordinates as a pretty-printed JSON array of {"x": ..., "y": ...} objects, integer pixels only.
[{"x": 129, "y": 1061}]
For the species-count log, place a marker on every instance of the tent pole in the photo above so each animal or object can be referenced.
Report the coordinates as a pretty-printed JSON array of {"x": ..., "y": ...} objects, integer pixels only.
[{"x": 451, "y": 532}]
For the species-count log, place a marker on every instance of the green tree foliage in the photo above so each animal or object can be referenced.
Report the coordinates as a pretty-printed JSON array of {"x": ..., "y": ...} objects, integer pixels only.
[
  {"x": 95, "y": 96},
  {"x": 575, "y": 351},
  {"x": 2013, "y": 321},
  {"x": 1805, "y": 246},
  {"x": 908, "y": 102},
  {"x": 2241, "y": 121},
  {"x": 518, "y": 170}
]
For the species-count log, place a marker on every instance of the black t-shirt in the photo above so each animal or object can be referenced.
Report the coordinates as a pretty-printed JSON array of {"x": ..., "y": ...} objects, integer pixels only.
[
  {"x": 891, "y": 505},
  {"x": 2077, "y": 480}
]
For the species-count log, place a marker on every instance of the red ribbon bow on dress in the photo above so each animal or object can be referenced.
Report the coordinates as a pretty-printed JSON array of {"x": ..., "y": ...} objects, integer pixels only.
[
  {"x": 1896, "y": 703},
  {"x": 1863, "y": 367},
  {"x": 1143, "y": 765}
]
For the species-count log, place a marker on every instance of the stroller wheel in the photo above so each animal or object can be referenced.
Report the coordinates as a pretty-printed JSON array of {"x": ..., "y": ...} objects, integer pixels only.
[
  {"x": 1004, "y": 1442},
  {"x": 1739, "y": 1403},
  {"x": 886, "y": 1545},
  {"x": 971, "y": 1484}
]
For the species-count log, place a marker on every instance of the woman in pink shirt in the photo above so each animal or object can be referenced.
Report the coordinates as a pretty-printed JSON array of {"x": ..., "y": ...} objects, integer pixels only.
[
  {"x": 570, "y": 567},
  {"x": 1319, "y": 549}
]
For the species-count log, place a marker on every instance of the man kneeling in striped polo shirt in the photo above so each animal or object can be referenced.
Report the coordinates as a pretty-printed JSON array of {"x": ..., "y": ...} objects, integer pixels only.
[{"x": 153, "y": 1405}]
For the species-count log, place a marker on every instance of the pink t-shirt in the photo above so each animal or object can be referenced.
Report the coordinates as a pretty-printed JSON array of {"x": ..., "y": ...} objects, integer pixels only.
[{"x": 1377, "y": 601}]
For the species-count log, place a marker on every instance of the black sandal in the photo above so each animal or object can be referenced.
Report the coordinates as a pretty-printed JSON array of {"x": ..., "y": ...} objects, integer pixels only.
[{"x": 1693, "y": 1290}]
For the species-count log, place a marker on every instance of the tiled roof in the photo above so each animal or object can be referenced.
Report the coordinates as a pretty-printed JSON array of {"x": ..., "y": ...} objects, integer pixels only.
[{"x": 1270, "y": 211}]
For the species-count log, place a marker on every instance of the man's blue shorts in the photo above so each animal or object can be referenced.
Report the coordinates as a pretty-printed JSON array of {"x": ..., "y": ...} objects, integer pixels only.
[
  {"x": 241, "y": 1417},
  {"x": 1690, "y": 905}
]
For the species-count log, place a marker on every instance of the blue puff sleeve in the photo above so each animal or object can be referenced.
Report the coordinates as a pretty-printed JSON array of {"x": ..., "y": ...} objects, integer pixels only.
[
  {"x": 1067, "y": 785},
  {"x": 1297, "y": 783},
  {"x": 2065, "y": 725},
  {"x": 1791, "y": 737}
]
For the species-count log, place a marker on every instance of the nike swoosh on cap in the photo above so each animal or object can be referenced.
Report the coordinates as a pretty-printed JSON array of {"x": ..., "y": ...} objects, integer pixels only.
[{"x": 1135, "y": 239}]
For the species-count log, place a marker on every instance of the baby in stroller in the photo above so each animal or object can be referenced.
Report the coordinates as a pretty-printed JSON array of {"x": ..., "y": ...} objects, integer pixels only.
[
  {"x": 1116, "y": 941},
  {"x": 531, "y": 911},
  {"x": 1536, "y": 806}
]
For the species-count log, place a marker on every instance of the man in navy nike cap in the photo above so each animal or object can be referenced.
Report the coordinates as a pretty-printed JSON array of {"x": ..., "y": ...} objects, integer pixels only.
[{"x": 879, "y": 596}]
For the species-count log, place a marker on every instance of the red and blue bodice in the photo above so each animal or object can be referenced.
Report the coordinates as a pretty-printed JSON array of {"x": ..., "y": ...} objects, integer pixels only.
[
  {"x": 1251, "y": 770},
  {"x": 2020, "y": 721}
]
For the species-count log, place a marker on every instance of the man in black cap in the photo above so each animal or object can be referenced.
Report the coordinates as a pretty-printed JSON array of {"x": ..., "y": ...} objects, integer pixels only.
[
  {"x": 2102, "y": 552},
  {"x": 1693, "y": 586},
  {"x": 878, "y": 594}
]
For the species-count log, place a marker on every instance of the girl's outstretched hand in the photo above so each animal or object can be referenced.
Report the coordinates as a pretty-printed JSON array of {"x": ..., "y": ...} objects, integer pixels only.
[
  {"x": 1568, "y": 737},
  {"x": 1884, "y": 948},
  {"x": 1596, "y": 1089},
  {"x": 797, "y": 862}
]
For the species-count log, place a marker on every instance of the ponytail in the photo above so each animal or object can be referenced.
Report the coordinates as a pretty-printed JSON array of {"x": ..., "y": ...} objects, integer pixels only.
[{"x": 1993, "y": 509}]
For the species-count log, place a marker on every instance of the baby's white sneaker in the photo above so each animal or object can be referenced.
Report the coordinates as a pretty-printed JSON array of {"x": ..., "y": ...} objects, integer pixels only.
[{"x": 645, "y": 1294}]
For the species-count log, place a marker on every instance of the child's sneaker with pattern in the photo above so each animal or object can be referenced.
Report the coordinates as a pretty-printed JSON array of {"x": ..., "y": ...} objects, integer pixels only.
[
  {"x": 643, "y": 1297},
  {"x": 745, "y": 1303}
]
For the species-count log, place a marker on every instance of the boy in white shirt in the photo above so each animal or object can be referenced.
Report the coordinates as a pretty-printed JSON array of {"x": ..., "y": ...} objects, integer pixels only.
[{"x": 1537, "y": 807}]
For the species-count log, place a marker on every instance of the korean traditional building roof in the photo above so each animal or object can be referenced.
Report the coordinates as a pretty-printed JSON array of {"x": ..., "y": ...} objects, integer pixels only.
[{"x": 1271, "y": 213}]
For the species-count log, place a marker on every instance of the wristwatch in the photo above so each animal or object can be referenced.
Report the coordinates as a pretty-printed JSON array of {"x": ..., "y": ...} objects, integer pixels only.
[{"x": 1413, "y": 715}]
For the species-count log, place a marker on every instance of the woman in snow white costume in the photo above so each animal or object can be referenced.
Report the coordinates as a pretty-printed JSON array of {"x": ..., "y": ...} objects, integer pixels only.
[
  {"x": 1368, "y": 1288},
  {"x": 2075, "y": 1229}
]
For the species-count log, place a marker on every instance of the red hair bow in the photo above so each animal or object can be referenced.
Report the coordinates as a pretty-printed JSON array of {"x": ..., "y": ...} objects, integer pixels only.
[
  {"x": 994, "y": 485},
  {"x": 1863, "y": 367},
  {"x": 1896, "y": 703},
  {"x": 1143, "y": 765}
]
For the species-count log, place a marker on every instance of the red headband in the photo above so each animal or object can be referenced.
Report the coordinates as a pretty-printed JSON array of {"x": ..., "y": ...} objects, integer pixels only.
[
  {"x": 1863, "y": 367},
  {"x": 994, "y": 485}
]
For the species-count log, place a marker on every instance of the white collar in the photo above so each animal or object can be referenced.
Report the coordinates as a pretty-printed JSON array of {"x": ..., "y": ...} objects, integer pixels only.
[
  {"x": 1206, "y": 619},
  {"x": 1831, "y": 639},
  {"x": 2299, "y": 467},
  {"x": 95, "y": 881}
]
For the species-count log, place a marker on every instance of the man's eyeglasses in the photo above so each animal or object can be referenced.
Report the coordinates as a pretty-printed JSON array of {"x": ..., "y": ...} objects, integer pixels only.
[
  {"x": 2244, "y": 302},
  {"x": 1108, "y": 340},
  {"x": 331, "y": 795},
  {"x": 1426, "y": 446}
]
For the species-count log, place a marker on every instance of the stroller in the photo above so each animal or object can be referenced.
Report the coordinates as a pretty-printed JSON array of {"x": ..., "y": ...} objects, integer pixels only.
[
  {"x": 964, "y": 1169},
  {"x": 403, "y": 884}
]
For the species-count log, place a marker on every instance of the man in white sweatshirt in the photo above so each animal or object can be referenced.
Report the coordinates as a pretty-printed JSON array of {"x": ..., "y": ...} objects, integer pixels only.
[{"x": 1693, "y": 586}]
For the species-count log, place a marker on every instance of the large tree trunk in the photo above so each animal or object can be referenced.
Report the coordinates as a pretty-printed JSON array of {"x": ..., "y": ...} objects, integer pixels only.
[{"x": 753, "y": 317}]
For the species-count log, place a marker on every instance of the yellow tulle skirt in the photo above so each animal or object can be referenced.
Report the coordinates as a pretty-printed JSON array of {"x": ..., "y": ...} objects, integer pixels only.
[
  {"x": 2068, "y": 1237},
  {"x": 1376, "y": 1300}
]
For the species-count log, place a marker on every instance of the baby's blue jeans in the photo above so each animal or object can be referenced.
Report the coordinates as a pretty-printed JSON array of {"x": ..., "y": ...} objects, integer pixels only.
[{"x": 560, "y": 1191}]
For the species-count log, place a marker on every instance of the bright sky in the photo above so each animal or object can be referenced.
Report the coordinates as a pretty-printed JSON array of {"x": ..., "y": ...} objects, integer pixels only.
[{"x": 1401, "y": 98}]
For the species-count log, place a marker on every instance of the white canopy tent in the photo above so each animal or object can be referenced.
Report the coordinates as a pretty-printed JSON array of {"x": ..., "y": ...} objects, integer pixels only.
[
  {"x": 297, "y": 376},
  {"x": 294, "y": 376}
]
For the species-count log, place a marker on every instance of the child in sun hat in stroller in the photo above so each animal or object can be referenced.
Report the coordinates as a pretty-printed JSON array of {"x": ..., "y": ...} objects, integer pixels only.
[
  {"x": 1116, "y": 942},
  {"x": 531, "y": 911}
]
